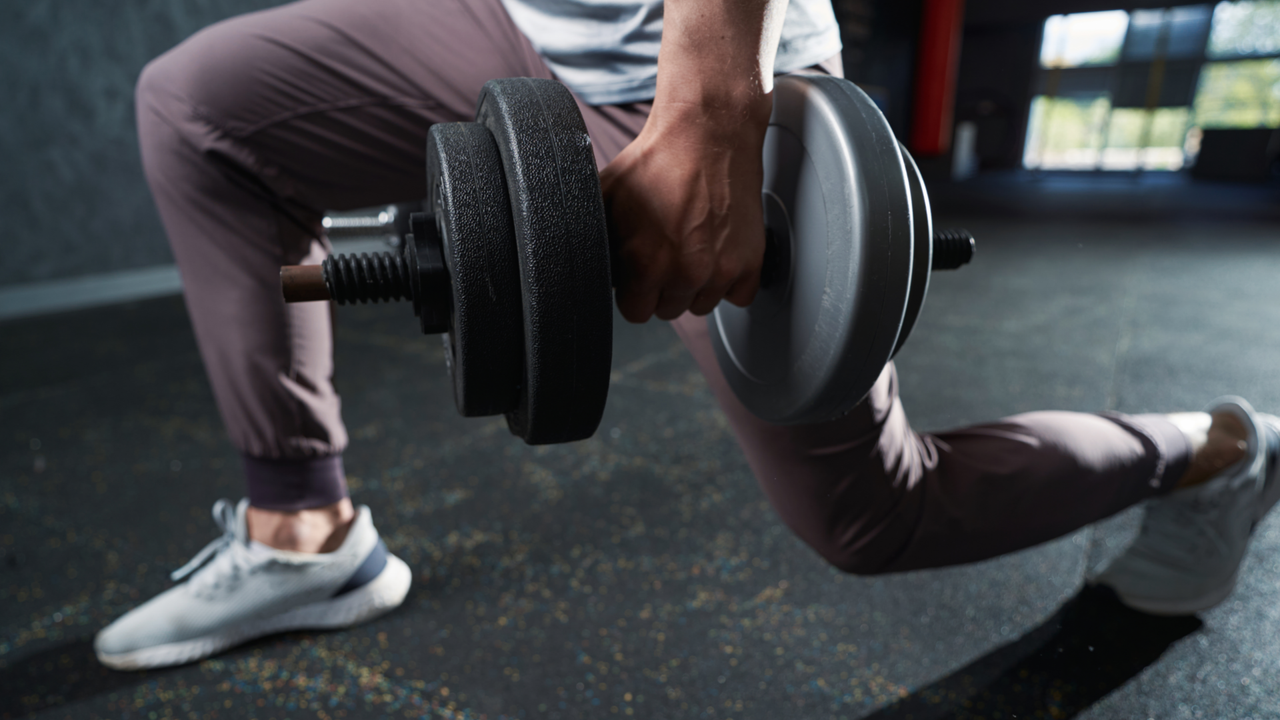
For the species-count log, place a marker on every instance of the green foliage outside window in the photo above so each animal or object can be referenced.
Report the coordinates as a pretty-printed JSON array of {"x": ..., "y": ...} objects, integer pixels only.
[
  {"x": 1244, "y": 93},
  {"x": 1163, "y": 127},
  {"x": 1249, "y": 27},
  {"x": 1088, "y": 134},
  {"x": 1066, "y": 132}
]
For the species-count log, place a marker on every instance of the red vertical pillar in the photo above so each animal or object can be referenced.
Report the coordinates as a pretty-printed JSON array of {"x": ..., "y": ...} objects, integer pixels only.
[{"x": 936, "y": 68}]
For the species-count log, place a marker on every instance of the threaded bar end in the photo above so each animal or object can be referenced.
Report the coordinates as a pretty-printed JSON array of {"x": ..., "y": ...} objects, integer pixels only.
[
  {"x": 952, "y": 248},
  {"x": 380, "y": 277}
]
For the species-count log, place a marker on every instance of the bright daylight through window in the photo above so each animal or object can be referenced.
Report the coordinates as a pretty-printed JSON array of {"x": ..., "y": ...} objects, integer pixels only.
[{"x": 1124, "y": 90}]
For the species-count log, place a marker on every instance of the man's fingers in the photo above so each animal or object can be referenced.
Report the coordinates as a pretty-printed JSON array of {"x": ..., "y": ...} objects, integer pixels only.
[
  {"x": 705, "y": 302},
  {"x": 711, "y": 295},
  {"x": 637, "y": 305},
  {"x": 673, "y": 304},
  {"x": 744, "y": 291}
]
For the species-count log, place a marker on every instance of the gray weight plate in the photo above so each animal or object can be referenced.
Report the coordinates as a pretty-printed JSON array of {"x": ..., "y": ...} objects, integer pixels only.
[
  {"x": 836, "y": 199},
  {"x": 484, "y": 346},
  {"x": 922, "y": 262},
  {"x": 562, "y": 244}
]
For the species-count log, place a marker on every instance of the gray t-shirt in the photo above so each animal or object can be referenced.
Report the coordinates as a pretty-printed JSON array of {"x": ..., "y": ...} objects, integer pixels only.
[{"x": 607, "y": 50}]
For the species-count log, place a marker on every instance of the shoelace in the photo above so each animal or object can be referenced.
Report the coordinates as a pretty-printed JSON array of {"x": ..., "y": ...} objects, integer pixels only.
[{"x": 224, "y": 515}]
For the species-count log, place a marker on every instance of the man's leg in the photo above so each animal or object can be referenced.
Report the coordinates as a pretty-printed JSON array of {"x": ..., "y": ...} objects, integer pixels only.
[
  {"x": 871, "y": 495},
  {"x": 249, "y": 131}
]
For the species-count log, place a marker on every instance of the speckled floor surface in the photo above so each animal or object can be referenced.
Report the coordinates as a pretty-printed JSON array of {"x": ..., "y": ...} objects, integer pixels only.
[{"x": 642, "y": 573}]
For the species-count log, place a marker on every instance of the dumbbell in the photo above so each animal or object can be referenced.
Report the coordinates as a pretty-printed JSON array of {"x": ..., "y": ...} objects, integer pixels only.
[{"x": 512, "y": 263}]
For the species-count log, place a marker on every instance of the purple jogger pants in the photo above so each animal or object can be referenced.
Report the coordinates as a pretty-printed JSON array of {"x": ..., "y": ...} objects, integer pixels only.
[{"x": 253, "y": 127}]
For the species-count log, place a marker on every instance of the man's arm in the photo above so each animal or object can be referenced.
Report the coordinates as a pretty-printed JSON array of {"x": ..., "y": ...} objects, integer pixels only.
[{"x": 684, "y": 197}]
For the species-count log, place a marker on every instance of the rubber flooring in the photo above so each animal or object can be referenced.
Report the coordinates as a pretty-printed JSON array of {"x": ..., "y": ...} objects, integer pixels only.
[{"x": 642, "y": 573}]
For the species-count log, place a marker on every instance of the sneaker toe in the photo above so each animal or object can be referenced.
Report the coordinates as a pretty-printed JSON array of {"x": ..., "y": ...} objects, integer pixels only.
[
  {"x": 145, "y": 626},
  {"x": 120, "y": 637}
]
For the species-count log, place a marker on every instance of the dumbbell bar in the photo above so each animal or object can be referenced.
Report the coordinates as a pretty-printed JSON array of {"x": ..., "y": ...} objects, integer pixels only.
[
  {"x": 386, "y": 276},
  {"x": 512, "y": 264}
]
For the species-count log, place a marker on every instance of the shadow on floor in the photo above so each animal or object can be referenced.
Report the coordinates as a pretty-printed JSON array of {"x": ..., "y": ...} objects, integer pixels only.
[
  {"x": 70, "y": 672},
  {"x": 56, "y": 676},
  {"x": 1090, "y": 647}
]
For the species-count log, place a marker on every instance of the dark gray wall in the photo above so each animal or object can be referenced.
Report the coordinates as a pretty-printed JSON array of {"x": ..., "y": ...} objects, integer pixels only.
[
  {"x": 880, "y": 43},
  {"x": 998, "y": 66},
  {"x": 72, "y": 194}
]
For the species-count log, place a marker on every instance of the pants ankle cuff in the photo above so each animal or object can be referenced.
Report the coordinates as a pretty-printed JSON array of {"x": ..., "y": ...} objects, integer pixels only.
[{"x": 288, "y": 485}]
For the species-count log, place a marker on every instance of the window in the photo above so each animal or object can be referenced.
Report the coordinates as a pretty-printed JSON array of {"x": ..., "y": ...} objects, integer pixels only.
[
  {"x": 1174, "y": 33},
  {"x": 1150, "y": 140},
  {"x": 1132, "y": 91},
  {"x": 1240, "y": 94},
  {"x": 1236, "y": 92},
  {"x": 1066, "y": 133},
  {"x": 1083, "y": 39},
  {"x": 1244, "y": 29}
]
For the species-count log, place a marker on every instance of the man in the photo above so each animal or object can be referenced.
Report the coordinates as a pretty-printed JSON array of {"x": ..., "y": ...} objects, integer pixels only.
[{"x": 255, "y": 126}]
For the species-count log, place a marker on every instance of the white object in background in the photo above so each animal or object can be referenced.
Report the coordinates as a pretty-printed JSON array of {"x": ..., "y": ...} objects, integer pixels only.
[{"x": 964, "y": 158}]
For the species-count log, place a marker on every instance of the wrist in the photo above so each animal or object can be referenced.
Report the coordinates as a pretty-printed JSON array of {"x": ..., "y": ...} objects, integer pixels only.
[
  {"x": 728, "y": 102},
  {"x": 708, "y": 123},
  {"x": 716, "y": 60},
  {"x": 708, "y": 108}
]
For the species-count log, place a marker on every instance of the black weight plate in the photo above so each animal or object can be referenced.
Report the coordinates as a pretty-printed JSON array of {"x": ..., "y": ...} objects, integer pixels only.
[
  {"x": 562, "y": 244},
  {"x": 484, "y": 347},
  {"x": 922, "y": 262},
  {"x": 813, "y": 342}
]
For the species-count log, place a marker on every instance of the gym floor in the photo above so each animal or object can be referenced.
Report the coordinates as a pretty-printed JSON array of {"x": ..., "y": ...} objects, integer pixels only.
[{"x": 642, "y": 573}]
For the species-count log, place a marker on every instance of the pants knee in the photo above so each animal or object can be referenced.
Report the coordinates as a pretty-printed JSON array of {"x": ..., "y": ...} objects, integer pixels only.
[
  {"x": 207, "y": 76},
  {"x": 164, "y": 93},
  {"x": 853, "y": 561},
  {"x": 148, "y": 90},
  {"x": 861, "y": 546}
]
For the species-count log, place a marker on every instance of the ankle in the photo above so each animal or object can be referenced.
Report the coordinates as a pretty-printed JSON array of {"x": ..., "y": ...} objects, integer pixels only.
[
  {"x": 313, "y": 530},
  {"x": 1222, "y": 445}
]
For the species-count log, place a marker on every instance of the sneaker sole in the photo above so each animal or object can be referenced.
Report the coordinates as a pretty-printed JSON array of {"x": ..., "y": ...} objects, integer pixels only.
[
  {"x": 1184, "y": 606},
  {"x": 379, "y": 596}
]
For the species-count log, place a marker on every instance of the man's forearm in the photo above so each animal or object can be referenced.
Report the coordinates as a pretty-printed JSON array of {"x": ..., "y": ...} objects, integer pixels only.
[
  {"x": 717, "y": 56},
  {"x": 684, "y": 197}
]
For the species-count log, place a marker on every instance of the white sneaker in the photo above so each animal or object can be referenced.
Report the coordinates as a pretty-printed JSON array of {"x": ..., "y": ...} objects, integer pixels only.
[
  {"x": 1187, "y": 555},
  {"x": 236, "y": 590}
]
